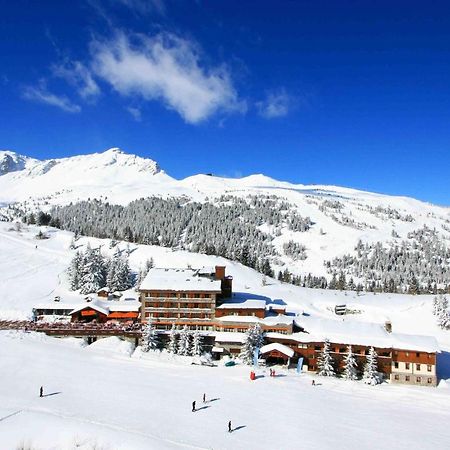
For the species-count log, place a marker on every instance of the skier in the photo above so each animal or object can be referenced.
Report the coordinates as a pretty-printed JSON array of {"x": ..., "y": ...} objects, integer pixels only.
[
  {"x": 193, "y": 406},
  {"x": 313, "y": 382},
  {"x": 229, "y": 427},
  {"x": 204, "y": 398},
  {"x": 41, "y": 392},
  {"x": 270, "y": 372}
]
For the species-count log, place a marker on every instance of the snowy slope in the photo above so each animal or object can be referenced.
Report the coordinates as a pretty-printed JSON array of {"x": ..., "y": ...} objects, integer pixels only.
[
  {"x": 100, "y": 398},
  {"x": 117, "y": 177}
]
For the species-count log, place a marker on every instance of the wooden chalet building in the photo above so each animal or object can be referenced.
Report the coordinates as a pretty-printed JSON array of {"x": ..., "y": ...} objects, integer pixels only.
[
  {"x": 183, "y": 296},
  {"x": 417, "y": 365},
  {"x": 101, "y": 312}
]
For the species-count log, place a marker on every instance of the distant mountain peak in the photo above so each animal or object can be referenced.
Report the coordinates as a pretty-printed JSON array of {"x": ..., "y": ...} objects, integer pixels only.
[{"x": 13, "y": 162}]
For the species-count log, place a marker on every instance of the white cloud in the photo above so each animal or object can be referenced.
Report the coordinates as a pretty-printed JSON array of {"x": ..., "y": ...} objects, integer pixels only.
[
  {"x": 276, "y": 104},
  {"x": 42, "y": 95},
  {"x": 77, "y": 75},
  {"x": 166, "y": 68},
  {"x": 135, "y": 112}
]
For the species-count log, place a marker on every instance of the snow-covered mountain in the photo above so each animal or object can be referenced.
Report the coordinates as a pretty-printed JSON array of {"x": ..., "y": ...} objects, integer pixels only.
[{"x": 339, "y": 217}]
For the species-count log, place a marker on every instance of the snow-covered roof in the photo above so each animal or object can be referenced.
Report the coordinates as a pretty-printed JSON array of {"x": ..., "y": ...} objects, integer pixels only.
[
  {"x": 105, "y": 307},
  {"x": 247, "y": 304},
  {"x": 359, "y": 333},
  {"x": 206, "y": 271},
  {"x": 275, "y": 320},
  {"x": 56, "y": 305},
  {"x": 229, "y": 336},
  {"x": 160, "y": 279},
  {"x": 279, "y": 347},
  {"x": 91, "y": 305}
]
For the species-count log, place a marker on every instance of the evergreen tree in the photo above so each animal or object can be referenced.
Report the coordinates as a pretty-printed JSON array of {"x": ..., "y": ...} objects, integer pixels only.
[
  {"x": 325, "y": 362},
  {"x": 118, "y": 277},
  {"x": 371, "y": 375},
  {"x": 197, "y": 344},
  {"x": 254, "y": 339},
  {"x": 184, "y": 342},
  {"x": 75, "y": 270},
  {"x": 93, "y": 273},
  {"x": 350, "y": 370},
  {"x": 173, "y": 337},
  {"x": 150, "y": 339}
]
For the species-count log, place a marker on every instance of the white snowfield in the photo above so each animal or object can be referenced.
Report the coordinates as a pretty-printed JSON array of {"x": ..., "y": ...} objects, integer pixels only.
[
  {"x": 120, "y": 178},
  {"x": 98, "y": 397}
]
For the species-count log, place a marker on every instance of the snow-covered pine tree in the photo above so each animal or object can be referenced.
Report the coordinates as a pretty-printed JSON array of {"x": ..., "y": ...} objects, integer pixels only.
[
  {"x": 325, "y": 362},
  {"x": 254, "y": 338},
  {"x": 350, "y": 370},
  {"x": 173, "y": 336},
  {"x": 93, "y": 273},
  {"x": 444, "y": 320},
  {"x": 74, "y": 271},
  {"x": 371, "y": 375},
  {"x": 197, "y": 343},
  {"x": 184, "y": 342},
  {"x": 119, "y": 274},
  {"x": 150, "y": 339}
]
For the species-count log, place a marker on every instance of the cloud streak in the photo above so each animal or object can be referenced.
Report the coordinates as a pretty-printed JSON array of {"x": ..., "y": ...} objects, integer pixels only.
[
  {"x": 276, "y": 104},
  {"x": 167, "y": 68},
  {"x": 79, "y": 76},
  {"x": 41, "y": 94}
]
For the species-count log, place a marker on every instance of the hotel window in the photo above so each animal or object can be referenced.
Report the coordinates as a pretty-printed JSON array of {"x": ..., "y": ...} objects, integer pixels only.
[
  {"x": 396, "y": 377},
  {"x": 429, "y": 367},
  {"x": 417, "y": 366},
  {"x": 418, "y": 354},
  {"x": 396, "y": 364},
  {"x": 429, "y": 380},
  {"x": 418, "y": 379},
  {"x": 407, "y": 366},
  {"x": 407, "y": 378}
]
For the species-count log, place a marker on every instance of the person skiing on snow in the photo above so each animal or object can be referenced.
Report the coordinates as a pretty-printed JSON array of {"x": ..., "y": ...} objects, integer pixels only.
[
  {"x": 204, "y": 398},
  {"x": 41, "y": 392},
  {"x": 229, "y": 427},
  {"x": 313, "y": 383},
  {"x": 193, "y": 406}
]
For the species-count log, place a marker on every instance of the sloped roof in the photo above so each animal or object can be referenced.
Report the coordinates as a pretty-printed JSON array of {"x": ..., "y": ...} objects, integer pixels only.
[
  {"x": 279, "y": 347},
  {"x": 91, "y": 305}
]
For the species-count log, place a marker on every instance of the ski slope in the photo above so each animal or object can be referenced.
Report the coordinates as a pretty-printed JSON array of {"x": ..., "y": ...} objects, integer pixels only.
[{"x": 102, "y": 398}]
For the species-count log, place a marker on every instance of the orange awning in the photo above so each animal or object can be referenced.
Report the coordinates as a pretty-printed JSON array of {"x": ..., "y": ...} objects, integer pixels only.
[
  {"x": 88, "y": 313},
  {"x": 123, "y": 315}
]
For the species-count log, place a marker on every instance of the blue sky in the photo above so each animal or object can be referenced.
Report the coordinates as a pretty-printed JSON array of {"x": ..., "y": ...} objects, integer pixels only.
[{"x": 351, "y": 93}]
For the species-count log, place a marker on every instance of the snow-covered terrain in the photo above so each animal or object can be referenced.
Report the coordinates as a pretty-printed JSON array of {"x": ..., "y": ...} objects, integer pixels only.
[
  {"x": 119, "y": 178},
  {"x": 99, "y": 397}
]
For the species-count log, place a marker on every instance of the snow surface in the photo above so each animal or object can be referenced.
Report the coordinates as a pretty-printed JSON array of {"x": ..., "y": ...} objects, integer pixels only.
[
  {"x": 117, "y": 177},
  {"x": 105, "y": 399},
  {"x": 176, "y": 279}
]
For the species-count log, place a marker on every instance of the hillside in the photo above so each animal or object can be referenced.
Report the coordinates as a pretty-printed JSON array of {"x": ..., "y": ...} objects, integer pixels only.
[{"x": 338, "y": 218}]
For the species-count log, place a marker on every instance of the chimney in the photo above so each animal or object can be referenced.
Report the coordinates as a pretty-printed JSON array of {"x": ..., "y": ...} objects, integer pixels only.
[
  {"x": 388, "y": 326},
  {"x": 220, "y": 272}
]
